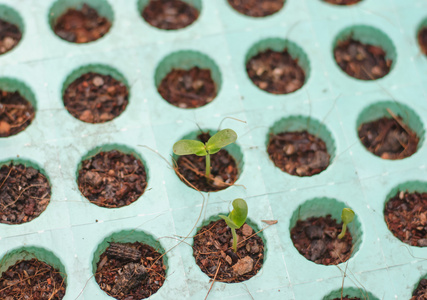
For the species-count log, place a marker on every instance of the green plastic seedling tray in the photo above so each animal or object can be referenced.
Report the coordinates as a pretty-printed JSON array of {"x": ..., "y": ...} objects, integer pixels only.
[{"x": 72, "y": 232}]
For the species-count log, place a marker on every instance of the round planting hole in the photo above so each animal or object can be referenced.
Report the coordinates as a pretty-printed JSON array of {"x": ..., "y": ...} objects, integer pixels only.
[
  {"x": 350, "y": 294},
  {"x": 130, "y": 265},
  {"x": 390, "y": 130},
  {"x": 81, "y": 22},
  {"x": 170, "y": 14},
  {"x": 421, "y": 291},
  {"x": 32, "y": 273},
  {"x": 95, "y": 94},
  {"x": 405, "y": 213},
  {"x": 11, "y": 28},
  {"x": 342, "y": 2},
  {"x": 364, "y": 52},
  {"x": 25, "y": 192},
  {"x": 314, "y": 232},
  {"x": 226, "y": 165},
  {"x": 212, "y": 249},
  {"x": 300, "y": 146},
  {"x": 112, "y": 178},
  {"x": 257, "y": 8},
  {"x": 422, "y": 36},
  {"x": 188, "y": 79},
  {"x": 277, "y": 66},
  {"x": 17, "y": 107}
]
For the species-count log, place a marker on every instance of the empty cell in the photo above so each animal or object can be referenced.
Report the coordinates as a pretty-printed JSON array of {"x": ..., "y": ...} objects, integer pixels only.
[
  {"x": 188, "y": 79},
  {"x": 257, "y": 8},
  {"x": 364, "y": 52},
  {"x": 277, "y": 66},
  {"x": 170, "y": 14},
  {"x": 300, "y": 146},
  {"x": 81, "y": 21},
  {"x": 112, "y": 176},
  {"x": 95, "y": 94},
  {"x": 11, "y": 28},
  {"x": 390, "y": 130}
]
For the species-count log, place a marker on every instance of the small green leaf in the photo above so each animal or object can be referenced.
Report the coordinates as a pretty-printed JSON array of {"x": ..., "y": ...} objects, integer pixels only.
[
  {"x": 220, "y": 140},
  {"x": 347, "y": 215},
  {"x": 186, "y": 147},
  {"x": 229, "y": 222},
  {"x": 239, "y": 213}
]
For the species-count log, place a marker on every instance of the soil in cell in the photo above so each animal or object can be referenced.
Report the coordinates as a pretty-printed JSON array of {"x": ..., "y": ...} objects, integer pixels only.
[
  {"x": 343, "y": 2},
  {"x": 16, "y": 113},
  {"x": 257, "y": 8},
  {"x": 421, "y": 291},
  {"x": 10, "y": 35},
  {"x": 422, "y": 39}
]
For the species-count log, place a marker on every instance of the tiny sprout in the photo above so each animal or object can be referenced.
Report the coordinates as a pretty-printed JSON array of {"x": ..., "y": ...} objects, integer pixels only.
[
  {"x": 236, "y": 218},
  {"x": 347, "y": 217},
  {"x": 213, "y": 145}
]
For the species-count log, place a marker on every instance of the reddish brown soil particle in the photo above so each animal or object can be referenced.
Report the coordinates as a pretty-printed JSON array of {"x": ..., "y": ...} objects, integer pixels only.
[
  {"x": 224, "y": 170},
  {"x": 10, "y": 35},
  {"x": 111, "y": 269},
  {"x": 112, "y": 179},
  {"x": 257, "y": 8},
  {"x": 317, "y": 240},
  {"x": 298, "y": 153},
  {"x": 16, "y": 113},
  {"x": 213, "y": 248},
  {"x": 422, "y": 39},
  {"x": 96, "y": 98},
  {"x": 188, "y": 88},
  {"x": 343, "y": 2},
  {"x": 387, "y": 139},
  {"x": 81, "y": 26},
  {"x": 406, "y": 217},
  {"x": 275, "y": 72},
  {"x": 24, "y": 194},
  {"x": 420, "y": 292},
  {"x": 32, "y": 279},
  {"x": 362, "y": 61},
  {"x": 169, "y": 14}
]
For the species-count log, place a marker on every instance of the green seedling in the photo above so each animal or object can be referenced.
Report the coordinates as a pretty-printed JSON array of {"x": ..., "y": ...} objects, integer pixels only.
[
  {"x": 213, "y": 145},
  {"x": 236, "y": 218},
  {"x": 347, "y": 217}
]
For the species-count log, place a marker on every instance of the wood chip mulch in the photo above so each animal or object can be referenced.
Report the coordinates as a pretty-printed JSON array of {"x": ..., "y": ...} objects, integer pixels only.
[
  {"x": 112, "y": 179},
  {"x": 212, "y": 249},
  {"x": 257, "y": 8},
  {"x": 362, "y": 61},
  {"x": 169, "y": 14},
  {"x": 10, "y": 35},
  {"x": 81, "y": 26},
  {"x": 24, "y": 193},
  {"x": 406, "y": 217},
  {"x": 16, "y": 113},
  {"x": 32, "y": 279},
  {"x": 387, "y": 138},
  {"x": 188, "y": 88},
  {"x": 130, "y": 271},
  {"x": 275, "y": 72},
  {"x": 298, "y": 153},
  {"x": 317, "y": 240},
  {"x": 96, "y": 98}
]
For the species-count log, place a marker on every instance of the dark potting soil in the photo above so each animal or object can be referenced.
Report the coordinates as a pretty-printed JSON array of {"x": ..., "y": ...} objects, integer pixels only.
[
  {"x": 24, "y": 193},
  {"x": 406, "y": 217},
  {"x": 387, "y": 138},
  {"x": 213, "y": 248},
  {"x": 298, "y": 153},
  {"x": 16, "y": 113},
  {"x": 362, "y": 61},
  {"x": 317, "y": 240},
  {"x": 112, "y": 179},
  {"x": 257, "y": 8},
  {"x": 10, "y": 35},
  {"x": 224, "y": 170},
  {"x": 32, "y": 279},
  {"x": 343, "y": 2},
  {"x": 275, "y": 72},
  {"x": 130, "y": 271},
  {"x": 96, "y": 98},
  {"x": 421, "y": 291},
  {"x": 348, "y": 298},
  {"x": 188, "y": 88},
  {"x": 422, "y": 39},
  {"x": 169, "y": 14},
  {"x": 81, "y": 26}
]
